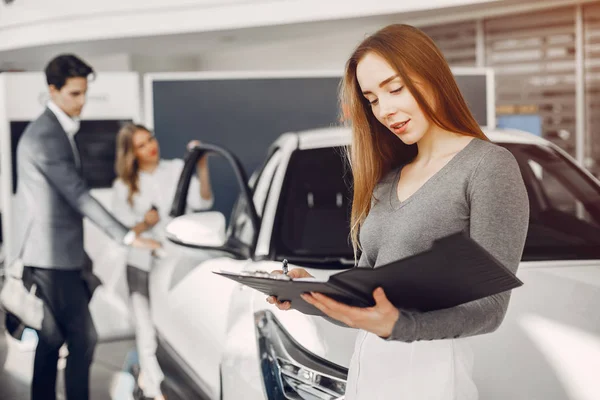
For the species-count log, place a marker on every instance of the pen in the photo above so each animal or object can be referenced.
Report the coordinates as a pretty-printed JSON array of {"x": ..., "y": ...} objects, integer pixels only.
[{"x": 285, "y": 266}]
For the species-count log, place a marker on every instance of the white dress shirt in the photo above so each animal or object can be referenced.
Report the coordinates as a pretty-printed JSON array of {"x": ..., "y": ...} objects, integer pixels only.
[
  {"x": 155, "y": 188},
  {"x": 70, "y": 126}
]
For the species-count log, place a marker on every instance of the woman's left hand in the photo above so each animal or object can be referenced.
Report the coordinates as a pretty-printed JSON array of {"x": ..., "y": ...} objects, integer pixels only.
[
  {"x": 192, "y": 144},
  {"x": 379, "y": 319},
  {"x": 202, "y": 160}
]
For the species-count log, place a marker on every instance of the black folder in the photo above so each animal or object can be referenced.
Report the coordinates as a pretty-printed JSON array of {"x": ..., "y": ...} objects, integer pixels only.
[{"x": 456, "y": 270}]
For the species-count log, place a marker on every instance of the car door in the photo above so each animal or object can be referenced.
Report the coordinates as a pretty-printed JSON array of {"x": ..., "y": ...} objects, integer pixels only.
[
  {"x": 548, "y": 346},
  {"x": 198, "y": 300}
]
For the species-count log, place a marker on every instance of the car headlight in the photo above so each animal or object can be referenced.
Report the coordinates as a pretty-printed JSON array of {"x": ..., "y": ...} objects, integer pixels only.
[{"x": 290, "y": 371}]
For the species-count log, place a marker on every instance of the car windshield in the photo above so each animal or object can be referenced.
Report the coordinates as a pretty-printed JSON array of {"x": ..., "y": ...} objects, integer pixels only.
[
  {"x": 314, "y": 209},
  {"x": 564, "y": 205},
  {"x": 314, "y": 214}
]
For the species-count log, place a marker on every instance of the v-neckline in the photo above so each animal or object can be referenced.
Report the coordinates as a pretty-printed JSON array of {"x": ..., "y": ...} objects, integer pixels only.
[{"x": 399, "y": 204}]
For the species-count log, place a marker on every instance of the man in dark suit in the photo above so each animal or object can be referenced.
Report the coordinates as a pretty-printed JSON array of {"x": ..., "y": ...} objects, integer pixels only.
[{"x": 52, "y": 199}]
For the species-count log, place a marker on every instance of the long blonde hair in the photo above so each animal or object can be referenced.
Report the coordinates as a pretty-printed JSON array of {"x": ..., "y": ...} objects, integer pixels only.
[
  {"x": 375, "y": 151},
  {"x": 126, "y": 165}
]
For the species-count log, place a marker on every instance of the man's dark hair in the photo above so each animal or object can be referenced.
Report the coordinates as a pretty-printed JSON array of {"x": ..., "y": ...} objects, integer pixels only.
[{"x": 66, "y": 66}]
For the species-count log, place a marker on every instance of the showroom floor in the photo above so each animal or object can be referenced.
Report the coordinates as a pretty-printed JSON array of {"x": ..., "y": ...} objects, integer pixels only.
[{"x": 107, "y": 381}]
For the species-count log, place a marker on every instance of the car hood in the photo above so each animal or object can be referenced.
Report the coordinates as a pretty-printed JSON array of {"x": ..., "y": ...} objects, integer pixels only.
[{"x": 316, "y": 334}]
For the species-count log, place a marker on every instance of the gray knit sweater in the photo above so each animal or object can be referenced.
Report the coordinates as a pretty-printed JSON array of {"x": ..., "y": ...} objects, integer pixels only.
[{"x": 479, "y": 191}]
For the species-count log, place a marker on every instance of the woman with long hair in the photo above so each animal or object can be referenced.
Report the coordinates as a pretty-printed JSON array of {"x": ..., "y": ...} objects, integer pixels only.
[
  {"x": 142, "y": 197},
  {"x": 422, "y": 170}
]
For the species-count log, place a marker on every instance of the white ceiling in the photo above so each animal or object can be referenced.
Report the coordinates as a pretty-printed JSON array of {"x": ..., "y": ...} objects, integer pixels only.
[{"x": 196, "y": 44}]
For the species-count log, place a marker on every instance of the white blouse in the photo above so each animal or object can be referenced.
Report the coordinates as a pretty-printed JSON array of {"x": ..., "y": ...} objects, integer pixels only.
[{"x": 155, "y": 188}]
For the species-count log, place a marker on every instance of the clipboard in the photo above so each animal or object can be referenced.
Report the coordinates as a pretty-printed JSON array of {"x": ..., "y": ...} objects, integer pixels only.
[{"x": 454, "y": 271}]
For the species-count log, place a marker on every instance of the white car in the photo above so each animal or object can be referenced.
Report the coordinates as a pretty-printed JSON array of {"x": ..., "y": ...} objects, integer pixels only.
[{"x": 221, "y": 340}]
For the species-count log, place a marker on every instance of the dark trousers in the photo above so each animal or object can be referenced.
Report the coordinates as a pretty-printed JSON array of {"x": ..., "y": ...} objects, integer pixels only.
[{"x": 67, "y": 319}]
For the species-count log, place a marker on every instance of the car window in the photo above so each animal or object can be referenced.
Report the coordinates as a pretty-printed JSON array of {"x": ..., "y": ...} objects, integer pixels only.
[
  {"x": 564, "y": 205},
  {"x": 313, "y": 219},
  {"x": 263, "y": 185},
  {"x": 314, "y": 208},
  {"x": 240, "y": 226}
]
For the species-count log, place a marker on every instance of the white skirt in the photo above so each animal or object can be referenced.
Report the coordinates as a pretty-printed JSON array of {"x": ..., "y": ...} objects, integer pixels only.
[{"x": 423, "y": 370}]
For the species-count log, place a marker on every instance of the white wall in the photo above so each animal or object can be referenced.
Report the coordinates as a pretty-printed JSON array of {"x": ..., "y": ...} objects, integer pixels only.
[
  {"x": 316, "y": 53},
  {"x": 146, "y": 64},
  {"x": 119, "y": 62},
  {"x": 116, "y": 62},
  {"x": 111, "y": 96},
  {"x": 110, "y": 62}
]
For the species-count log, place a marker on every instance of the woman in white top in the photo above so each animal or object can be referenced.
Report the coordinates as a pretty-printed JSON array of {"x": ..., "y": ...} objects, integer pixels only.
[{"x": 142, "y": 197}]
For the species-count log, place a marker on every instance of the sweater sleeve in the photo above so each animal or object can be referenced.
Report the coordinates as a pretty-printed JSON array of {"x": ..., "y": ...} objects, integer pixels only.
[{"x": 499, "y": 217}]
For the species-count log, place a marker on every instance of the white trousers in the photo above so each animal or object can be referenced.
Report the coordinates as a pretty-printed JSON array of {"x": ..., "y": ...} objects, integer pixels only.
[
  {"x": 423, "y": 370},
  {"x": 146, "y": 344}
]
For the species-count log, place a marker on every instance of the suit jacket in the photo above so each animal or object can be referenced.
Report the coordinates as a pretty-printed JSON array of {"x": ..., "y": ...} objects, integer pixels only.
[{"x": 52, "y": 199}]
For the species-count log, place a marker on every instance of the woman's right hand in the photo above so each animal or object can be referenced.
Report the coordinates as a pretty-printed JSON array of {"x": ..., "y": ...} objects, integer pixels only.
[
  {"x": 294, "y": 273},
  {"x": 151, "y": 217}
]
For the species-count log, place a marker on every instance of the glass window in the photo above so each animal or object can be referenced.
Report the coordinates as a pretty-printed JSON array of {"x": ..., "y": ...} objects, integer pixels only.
[
  {"x": 564, "y": 205},
  {"x": 240, "y": 227},
  {"x": 265, "y": 179},
  {"x": 314, "y": 208}
]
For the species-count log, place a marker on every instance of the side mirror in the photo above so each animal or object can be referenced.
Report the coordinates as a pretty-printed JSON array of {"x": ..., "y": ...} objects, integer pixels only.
[
  {"x": 204, "y": 229},
  {"x": 179, "y": 202}
]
